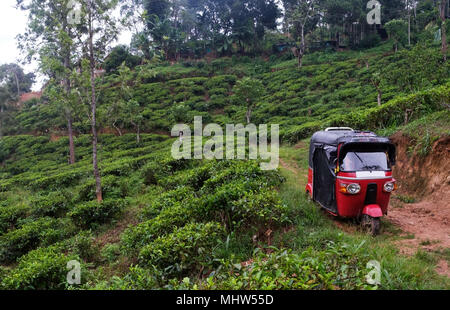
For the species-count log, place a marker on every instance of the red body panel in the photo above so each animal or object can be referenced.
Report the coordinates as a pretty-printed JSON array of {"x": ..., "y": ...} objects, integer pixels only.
[
  {"x": 373, "y": 211},
  {"x": 353, "y": 206},
  {"x": 309, "y": 187}
]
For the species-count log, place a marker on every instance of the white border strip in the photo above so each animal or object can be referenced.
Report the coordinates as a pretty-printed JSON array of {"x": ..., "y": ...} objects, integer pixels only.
[{"x": 372, "y": 178}]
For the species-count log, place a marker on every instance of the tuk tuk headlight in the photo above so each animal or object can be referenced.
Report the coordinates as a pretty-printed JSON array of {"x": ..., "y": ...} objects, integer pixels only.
[
  {"x": 353, "y": 189},
  {"x": 389, "y": 187}
]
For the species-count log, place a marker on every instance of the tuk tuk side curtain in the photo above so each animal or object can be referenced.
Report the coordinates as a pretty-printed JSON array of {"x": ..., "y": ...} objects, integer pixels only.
[{"x": 324, "y": 181}]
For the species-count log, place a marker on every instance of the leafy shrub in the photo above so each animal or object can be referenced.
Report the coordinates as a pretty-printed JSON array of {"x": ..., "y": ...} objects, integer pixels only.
[
  {"x": 110, "y": 252},
  {"x": 153, "y": 171},
  {"x": 338, "y": 266},
  {"x": 166, "y": 200},
  {"x": 189, "y": 248},
  {"x": 10, "y": 215},
  {"x": 87, "y": 214},
  {"x": 300, "y": 132},
  {"x": 42, "y": 232},
  {"x": 54, "y": 204},
  {"x": 57, "y": 181},
  {"x": 137, "y": 278},
  {"x": 44, "y": 268},
  {"x": 405, "y": 198},
  {"x": 112, "y": 187},
  {"x": 83, "y": 246},
  {"x": 259, "y": 209},
  {"x": 393, "y": 112},
  {"x": 370, "y": 40},
  {"x": 176, "y": 216}
]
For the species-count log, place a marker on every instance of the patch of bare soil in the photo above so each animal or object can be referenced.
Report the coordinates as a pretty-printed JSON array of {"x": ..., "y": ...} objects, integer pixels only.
[
  {"x": 347, "y": 225},
  {"x": 442, "y": 268},
  {"x": 301, "y": 145},
  {"x": 113, "y": 235},
  {"x": 419, "y": 176},
  {"x": 55, "y": 136},
  {"x": 426, "y": 222},
  {"x": 291, "y": 167}
]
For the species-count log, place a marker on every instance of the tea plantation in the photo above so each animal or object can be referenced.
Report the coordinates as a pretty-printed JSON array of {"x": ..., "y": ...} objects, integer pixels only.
[{"x": 191, "y": 224}]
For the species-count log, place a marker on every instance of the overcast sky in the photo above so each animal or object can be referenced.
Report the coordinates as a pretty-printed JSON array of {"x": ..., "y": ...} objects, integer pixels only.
[{"x": 12, "y": 23}]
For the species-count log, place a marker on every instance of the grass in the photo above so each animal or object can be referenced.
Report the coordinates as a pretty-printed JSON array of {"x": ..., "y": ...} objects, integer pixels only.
[
  {"x": 424, "y": 130},
  {"x": 405, "y": 198}
]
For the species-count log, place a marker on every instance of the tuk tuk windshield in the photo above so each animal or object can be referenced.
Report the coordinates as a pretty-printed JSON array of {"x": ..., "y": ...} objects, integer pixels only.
[{"x": 365, "y": 161}]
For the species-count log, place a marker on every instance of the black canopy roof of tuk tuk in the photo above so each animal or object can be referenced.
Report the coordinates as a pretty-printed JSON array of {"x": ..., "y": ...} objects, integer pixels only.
[{"x": 351, "y": 140}]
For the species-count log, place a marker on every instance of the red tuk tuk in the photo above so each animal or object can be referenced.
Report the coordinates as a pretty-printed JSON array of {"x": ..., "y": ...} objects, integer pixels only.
[{"x": 350, "y": 174}]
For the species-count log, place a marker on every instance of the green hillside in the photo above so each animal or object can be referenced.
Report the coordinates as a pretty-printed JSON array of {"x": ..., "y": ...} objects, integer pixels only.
[
  {"x": 188, "y": 224},
  {"x": 301, "y": 101}
]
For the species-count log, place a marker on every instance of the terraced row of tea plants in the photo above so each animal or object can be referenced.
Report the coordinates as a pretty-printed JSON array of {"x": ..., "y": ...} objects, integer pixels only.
[
  {"x": 163, "y": 223},
  {"x": 331, "y": 89},
  {"x": 171, "y": 224}
]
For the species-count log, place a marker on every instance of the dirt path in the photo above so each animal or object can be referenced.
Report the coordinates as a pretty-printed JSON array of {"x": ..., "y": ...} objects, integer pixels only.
[
  {"x": 428, "y": 220},
  {"x": 427, "y": 223},
  {"x": 292, "y": 168}
]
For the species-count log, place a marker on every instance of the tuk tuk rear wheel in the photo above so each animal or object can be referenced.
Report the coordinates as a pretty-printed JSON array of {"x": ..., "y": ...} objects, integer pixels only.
[{"x": 371, "y": 225}]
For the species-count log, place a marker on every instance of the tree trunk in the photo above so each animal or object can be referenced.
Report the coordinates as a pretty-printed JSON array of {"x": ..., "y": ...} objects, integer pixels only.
[
  {"x": 379, "y": 97},
  {"x": 17, "y": 85},
  {"x": 67, "y": 88},
  {"x": 98, "y": 183},
  {"x": 409, "y": 29},
  {"x": 118, "y": 129},
  {"x": 300, "y": 59},
  {"x": 443, "y": 29},
  {"x": 249, "y": 115},
  {"x": 1, "y": 121},
  {"x": 301, "y": 51},
  {"x": 138, "y": 136},
  {"x": 71, "y": 143}
]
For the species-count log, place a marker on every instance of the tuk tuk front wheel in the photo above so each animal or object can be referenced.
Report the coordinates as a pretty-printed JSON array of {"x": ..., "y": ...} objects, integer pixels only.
[{"x": 371, "y": 225}]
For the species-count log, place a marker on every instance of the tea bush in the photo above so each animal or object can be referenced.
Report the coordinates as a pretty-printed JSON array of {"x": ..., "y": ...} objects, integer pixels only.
[
  {"x": 339, "y": 266},
  {"x": 170, "y": 218},
  {"x": 186, "y": 249},
  {"x": 41, "y": 232},
  {"x": 10, "y": 215},
  {"x": 87, "y": 214},
  {"x": 393, "y": 113},
  {"x": 260, "y": 209},
  {"x": 42, "y": 269},
  {"x": 53, "y": 204}
]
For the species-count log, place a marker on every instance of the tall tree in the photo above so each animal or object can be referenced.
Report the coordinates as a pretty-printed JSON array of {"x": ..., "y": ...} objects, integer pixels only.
[
  {"x": 156, "y": 10},
  {"x": 398, "y": 31},
  {"x": 5, "y": 99},
  {"x": 303, "y": 16},
  {"x": 13, "y": 83},
  {"x": 134, "y": 18},
  {"x": 101, "y": 32},
  {"x": 50, "y": 38},
  {"x": 391, "y": 9},
  {"x": 124, "y": 109},
  {"x": 443, "y": 11},
  {"x": 376, "y": 82},
  {"x": 15, "y": 79},
  {"x": 247, "y": 92}
]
